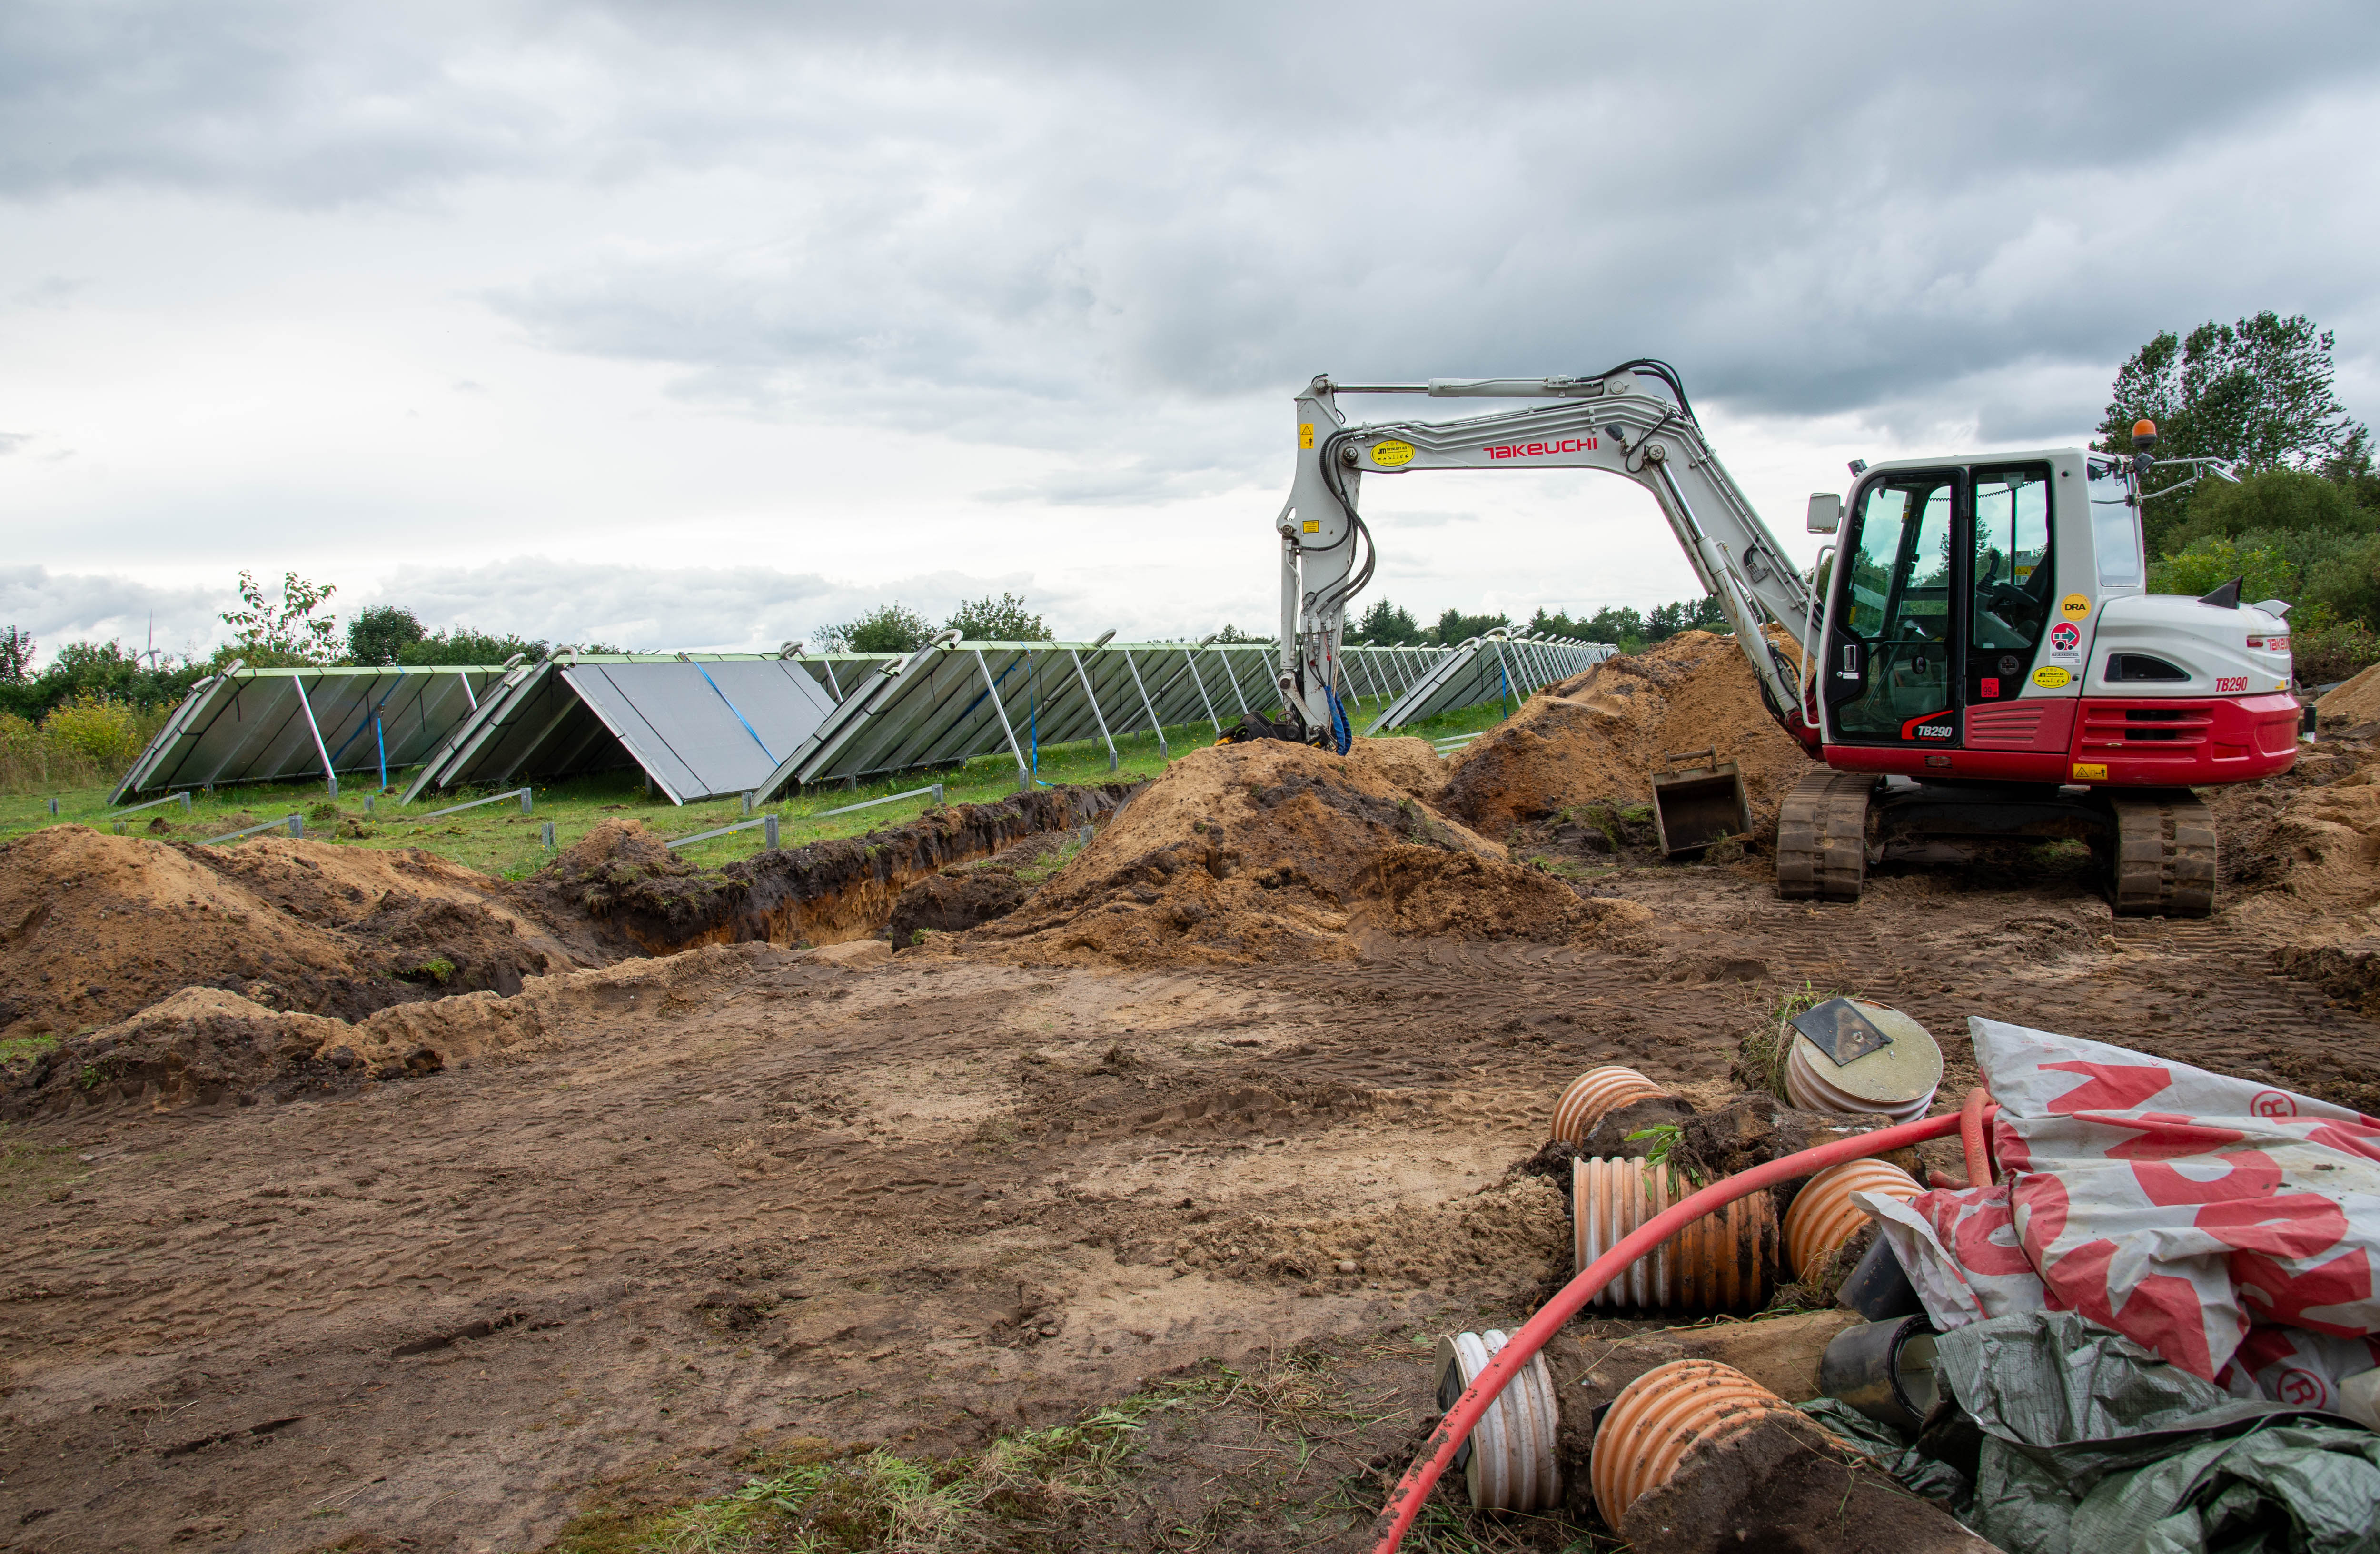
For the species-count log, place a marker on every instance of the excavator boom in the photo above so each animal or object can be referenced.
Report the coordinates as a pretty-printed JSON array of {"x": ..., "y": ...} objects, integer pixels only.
[{"x": 1618, "y": 422}]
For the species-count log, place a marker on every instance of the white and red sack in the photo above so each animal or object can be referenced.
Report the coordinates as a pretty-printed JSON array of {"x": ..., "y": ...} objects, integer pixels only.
[{"x": 2232, "y": 1227}]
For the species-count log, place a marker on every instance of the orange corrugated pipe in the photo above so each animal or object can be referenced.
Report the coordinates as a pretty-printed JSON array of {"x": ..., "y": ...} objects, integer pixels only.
[{"x": 1411, "y": 1491}]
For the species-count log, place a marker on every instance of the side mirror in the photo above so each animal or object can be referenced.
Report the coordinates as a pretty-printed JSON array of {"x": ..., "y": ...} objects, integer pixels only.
[{"x": 1826, "y": 512}]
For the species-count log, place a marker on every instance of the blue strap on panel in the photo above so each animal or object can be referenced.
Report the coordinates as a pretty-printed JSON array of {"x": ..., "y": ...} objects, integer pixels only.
[{"x": 739, "y": 716}]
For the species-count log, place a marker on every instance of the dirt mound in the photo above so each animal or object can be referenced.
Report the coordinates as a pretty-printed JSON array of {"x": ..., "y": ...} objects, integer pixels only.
[
  {"x": 1407, "y": 763},
  {"x": 93, "y": 927},
  {"x": 2354, "y": 703},
  {"x": 1268, "y": 851},
  {"x": 1598, "y": 738},
  {"x": 205, "y": 1046}
]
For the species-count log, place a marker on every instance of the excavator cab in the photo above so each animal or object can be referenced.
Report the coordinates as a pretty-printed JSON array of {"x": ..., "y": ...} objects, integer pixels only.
[{"x": 1940, "y": 603}]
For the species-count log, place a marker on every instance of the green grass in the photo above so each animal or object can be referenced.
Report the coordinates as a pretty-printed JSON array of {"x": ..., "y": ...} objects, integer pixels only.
[
  {"x": 1019, "y": 1489},
  {"x": 498, "y": 839},
  {"x": 14, "y": 1047}
]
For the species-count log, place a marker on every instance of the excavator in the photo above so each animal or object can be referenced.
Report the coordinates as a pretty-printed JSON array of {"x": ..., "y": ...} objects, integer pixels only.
[{"x": 1973, "y": 654}]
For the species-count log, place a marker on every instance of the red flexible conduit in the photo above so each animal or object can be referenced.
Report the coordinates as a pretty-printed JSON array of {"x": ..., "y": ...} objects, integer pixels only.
[{"x": 1397, "y": 1517}]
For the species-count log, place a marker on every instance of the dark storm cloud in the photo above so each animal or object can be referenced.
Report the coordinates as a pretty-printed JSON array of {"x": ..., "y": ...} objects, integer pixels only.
[{"x": 1041, "y": 226}]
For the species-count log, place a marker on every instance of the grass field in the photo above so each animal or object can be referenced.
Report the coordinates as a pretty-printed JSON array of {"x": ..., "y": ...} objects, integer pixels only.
[{"x": 498, "y": 839}]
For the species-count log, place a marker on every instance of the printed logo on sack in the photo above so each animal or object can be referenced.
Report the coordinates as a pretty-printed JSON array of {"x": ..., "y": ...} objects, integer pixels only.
[
  {"x": 2065, "y": 637},
  {"x": 1539, "y": 449},
  {"x": 2301, "y": 1388},
  {"x": 2272, "y": 1103}
]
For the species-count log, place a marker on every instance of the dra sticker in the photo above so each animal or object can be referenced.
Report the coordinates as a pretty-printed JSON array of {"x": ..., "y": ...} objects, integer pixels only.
[
  {"x": 1390, "y": 453},
  {"x": 2066, "y": 643},
  {"x": 2076, "y": 606},
  {"x": 2051, "y": 679}
]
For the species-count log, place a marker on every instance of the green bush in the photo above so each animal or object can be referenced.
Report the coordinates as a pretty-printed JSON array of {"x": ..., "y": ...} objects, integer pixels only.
[{"x": 94, "y": 729}]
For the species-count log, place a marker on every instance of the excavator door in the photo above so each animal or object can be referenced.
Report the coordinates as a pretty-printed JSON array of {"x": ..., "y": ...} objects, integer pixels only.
[{"x": 1940, "y": 600}]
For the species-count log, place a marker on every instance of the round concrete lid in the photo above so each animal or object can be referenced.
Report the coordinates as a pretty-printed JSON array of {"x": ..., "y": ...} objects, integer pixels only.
[{"x": 1911, "y": 1067}]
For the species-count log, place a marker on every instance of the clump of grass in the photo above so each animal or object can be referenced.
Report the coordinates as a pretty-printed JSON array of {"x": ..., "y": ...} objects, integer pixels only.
[
  {"x": 14, "y": 1047},
  {"x": 1049, "y": 863},
  {"x": 1022, "y": 1491},
  {"x": 437, "y": 968},
  {"x": 1760, "y": 1054}
]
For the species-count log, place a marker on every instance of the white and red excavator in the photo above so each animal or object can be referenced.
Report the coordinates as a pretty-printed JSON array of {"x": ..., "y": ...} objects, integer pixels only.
[{"x": 1987, "y": 664}]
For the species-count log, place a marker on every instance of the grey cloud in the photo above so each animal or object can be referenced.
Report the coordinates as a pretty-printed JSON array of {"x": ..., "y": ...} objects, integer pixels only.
[
  {"x": 12, "y": 441},
  {"x": 1803, "y": 227},
  {"x": 56, "y": 608},
  {"x": 1125, "y": 234}
]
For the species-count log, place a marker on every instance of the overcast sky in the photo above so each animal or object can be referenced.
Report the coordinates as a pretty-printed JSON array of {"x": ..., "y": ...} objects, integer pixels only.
[{"x": 696, "y": 325}]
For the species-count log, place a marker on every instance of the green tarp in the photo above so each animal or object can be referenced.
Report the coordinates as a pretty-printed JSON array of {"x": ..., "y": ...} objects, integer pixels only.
[{"x": 2077, "y": 1440}]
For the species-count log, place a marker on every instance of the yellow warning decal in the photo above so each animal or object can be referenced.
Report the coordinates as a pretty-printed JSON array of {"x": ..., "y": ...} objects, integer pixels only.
[
  {"x": 2085, "y": 771},
  {"x": 1314, "y": 525},
  {"x": 2076, "y": 606},
  {"x": 2051, "y": 679},
  {"x": 1390, "y": 453},
  {"x": 1306, "y": 434}
]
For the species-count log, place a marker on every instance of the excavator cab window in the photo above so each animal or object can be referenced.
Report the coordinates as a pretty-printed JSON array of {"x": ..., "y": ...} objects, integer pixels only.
[
  {"x": 1889, "y": 661},
  {"x": 2010, "y": 578}
]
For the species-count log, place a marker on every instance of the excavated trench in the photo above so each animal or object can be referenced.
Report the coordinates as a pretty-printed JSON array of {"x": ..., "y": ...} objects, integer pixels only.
[{"x": 822, "y": 893}]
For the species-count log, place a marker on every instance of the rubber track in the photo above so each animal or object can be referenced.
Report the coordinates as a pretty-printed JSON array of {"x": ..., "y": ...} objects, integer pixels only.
[
  {"x": 2165, "y": 855},
  {"x": 1822, "y": 837}
]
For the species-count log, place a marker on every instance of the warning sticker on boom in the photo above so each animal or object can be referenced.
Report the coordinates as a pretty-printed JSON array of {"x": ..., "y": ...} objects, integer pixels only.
[{"x": 1389, "y": 453}]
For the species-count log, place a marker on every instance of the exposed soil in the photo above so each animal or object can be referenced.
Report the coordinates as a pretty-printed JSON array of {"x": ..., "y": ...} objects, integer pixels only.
[
  {"x": 94, "y": 927},
  {"x": 656, "y": 902},
  {"x": 1597, "y": 740},
  {"x": 1245, "y": 1104},
  {"x": 1266, "y": 851}
]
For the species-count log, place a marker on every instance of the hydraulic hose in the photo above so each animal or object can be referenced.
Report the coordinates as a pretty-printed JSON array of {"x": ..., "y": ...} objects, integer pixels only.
[
  {"x": 1975, "y": 1137},
  {"x": 1412, "y": 1491}
]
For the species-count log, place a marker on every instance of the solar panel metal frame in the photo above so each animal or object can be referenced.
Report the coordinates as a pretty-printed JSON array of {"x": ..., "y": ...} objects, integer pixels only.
[
  {"x": 263, "y": 726},
  {"x": 546, "y": 718},
  {"x": 1482, "y": 667}
]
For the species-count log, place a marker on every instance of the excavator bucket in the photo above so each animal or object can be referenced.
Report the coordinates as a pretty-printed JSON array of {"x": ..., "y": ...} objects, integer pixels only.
[{"x": 1693, "y": 808}]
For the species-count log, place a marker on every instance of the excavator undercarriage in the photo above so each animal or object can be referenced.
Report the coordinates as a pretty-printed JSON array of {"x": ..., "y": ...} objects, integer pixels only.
[{"x": 2155, "y": 846}]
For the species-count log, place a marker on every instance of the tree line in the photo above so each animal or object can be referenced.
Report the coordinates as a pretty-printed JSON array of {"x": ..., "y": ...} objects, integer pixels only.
[
  {"x": 2302, "y": 523},
  {"x": 1387, "y": 625}
]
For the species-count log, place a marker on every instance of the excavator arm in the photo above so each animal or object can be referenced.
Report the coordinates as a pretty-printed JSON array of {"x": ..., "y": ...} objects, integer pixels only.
[{"x": 1634, "y": 420}]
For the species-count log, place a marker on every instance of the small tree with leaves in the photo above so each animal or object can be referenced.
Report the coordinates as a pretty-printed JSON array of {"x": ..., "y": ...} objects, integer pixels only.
[
  {"x": 16, "y": 656},
  {"x": 282, "y": 635},
  {"x": 380, "y": 632},
  {"x": 1234, "y": 634},
  {"x": 1004, "y": 619},
  {"x": 1384, "y": 624},
  {"x": 887, "y": 628}
]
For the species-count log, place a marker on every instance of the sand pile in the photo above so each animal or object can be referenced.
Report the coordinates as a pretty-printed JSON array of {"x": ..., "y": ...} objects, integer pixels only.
[
  {"x": 205, "y": 1046},
  {"x": 1601, "y": 737},
  {"x": 93, "y": 927},
  {"x": 1268, "y": 851},
  {"x": 2352, "y": 704}
]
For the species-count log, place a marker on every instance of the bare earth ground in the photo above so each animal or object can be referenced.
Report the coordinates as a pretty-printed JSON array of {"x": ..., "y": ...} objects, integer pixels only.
[{"x": 742, "y": 1198}]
